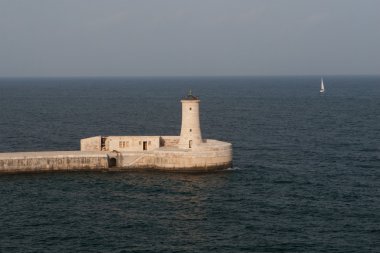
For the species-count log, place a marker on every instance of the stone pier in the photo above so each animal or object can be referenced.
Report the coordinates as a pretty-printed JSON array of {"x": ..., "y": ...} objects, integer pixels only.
[{"x": 187, "y": 152}]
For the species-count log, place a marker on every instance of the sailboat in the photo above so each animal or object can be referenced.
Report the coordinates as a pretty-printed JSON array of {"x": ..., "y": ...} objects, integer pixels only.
[{"x": 322, "y": 86}]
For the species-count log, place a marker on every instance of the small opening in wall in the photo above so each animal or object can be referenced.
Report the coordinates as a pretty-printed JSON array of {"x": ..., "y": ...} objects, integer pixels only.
[
  {"x": 145, "y": 145},
  {"x": 191, "y": 130},
  {"x": 112, "y": 162},
  {"x": 190, "y": 108}
]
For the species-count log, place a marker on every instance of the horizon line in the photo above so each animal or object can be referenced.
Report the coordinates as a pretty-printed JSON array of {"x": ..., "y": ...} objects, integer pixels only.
[{"x": 183, "y": 76}]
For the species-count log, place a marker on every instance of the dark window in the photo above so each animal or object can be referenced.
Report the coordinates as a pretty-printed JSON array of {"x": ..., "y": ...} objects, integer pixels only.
[{"x": 145, "y": 145}]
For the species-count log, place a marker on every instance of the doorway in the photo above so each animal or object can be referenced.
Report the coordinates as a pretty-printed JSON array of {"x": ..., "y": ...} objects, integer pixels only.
[
  {"x": 112, "y": 162},
  {"x": 190, "y": 143},
  {"x": 145, "y": 146}
]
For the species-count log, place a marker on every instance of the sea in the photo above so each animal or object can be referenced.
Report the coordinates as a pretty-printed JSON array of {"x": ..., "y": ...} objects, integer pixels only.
[{"x": 305, "y": 175}]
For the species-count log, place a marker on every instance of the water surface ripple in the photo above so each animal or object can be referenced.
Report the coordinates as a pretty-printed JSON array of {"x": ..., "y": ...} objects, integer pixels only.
[{"x": 306, "y": 175}]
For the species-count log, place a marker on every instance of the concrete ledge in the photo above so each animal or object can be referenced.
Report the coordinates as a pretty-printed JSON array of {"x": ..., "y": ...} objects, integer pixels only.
[
  {"x": 200, "y": 169},
  {"x": 21, "y": 162}
]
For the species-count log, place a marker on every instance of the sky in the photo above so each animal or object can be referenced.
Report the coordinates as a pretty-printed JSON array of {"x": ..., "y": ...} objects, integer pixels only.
[{"x": 71, "y": 38}]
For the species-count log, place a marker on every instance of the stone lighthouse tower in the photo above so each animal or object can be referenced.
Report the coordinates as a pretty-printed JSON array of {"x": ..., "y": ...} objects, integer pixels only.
[{"x": 191, "y": 135}]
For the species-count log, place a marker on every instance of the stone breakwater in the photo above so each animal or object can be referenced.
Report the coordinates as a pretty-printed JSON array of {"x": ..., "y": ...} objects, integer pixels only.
[
  {"x": 212, "y": 155},
  {"x": 186, "y": 152},
  {"x": 22, "y": 162}
]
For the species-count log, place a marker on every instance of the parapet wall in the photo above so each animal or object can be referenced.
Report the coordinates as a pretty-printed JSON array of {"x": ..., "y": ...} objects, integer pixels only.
[
  {"x": 52, "y": 161},
  {"x": 91, "y": 144},
  {"x": 169, "y": 141}
]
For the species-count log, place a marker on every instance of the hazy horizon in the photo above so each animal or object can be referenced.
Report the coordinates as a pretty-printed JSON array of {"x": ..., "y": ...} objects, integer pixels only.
[
  {"x": 171, "y": 38},
  {"x": 195, "y": 76}
]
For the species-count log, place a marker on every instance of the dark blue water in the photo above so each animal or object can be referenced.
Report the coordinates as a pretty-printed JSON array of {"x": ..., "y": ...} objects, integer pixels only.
[{"x": 306, "y": 174}]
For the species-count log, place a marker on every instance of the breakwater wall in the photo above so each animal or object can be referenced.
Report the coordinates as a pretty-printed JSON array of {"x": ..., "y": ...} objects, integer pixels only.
[
  {"x": 212, "y": 155},
  {"x": 21, "y": 162},
  {"x": 216, "y": 157}
]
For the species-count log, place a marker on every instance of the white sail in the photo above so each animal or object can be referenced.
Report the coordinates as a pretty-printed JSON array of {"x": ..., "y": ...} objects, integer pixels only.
[{"x": 322, "y": 86}]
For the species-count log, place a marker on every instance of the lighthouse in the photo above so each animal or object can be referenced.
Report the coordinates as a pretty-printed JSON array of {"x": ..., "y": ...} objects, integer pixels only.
[{"x": 191, "y": 136}]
